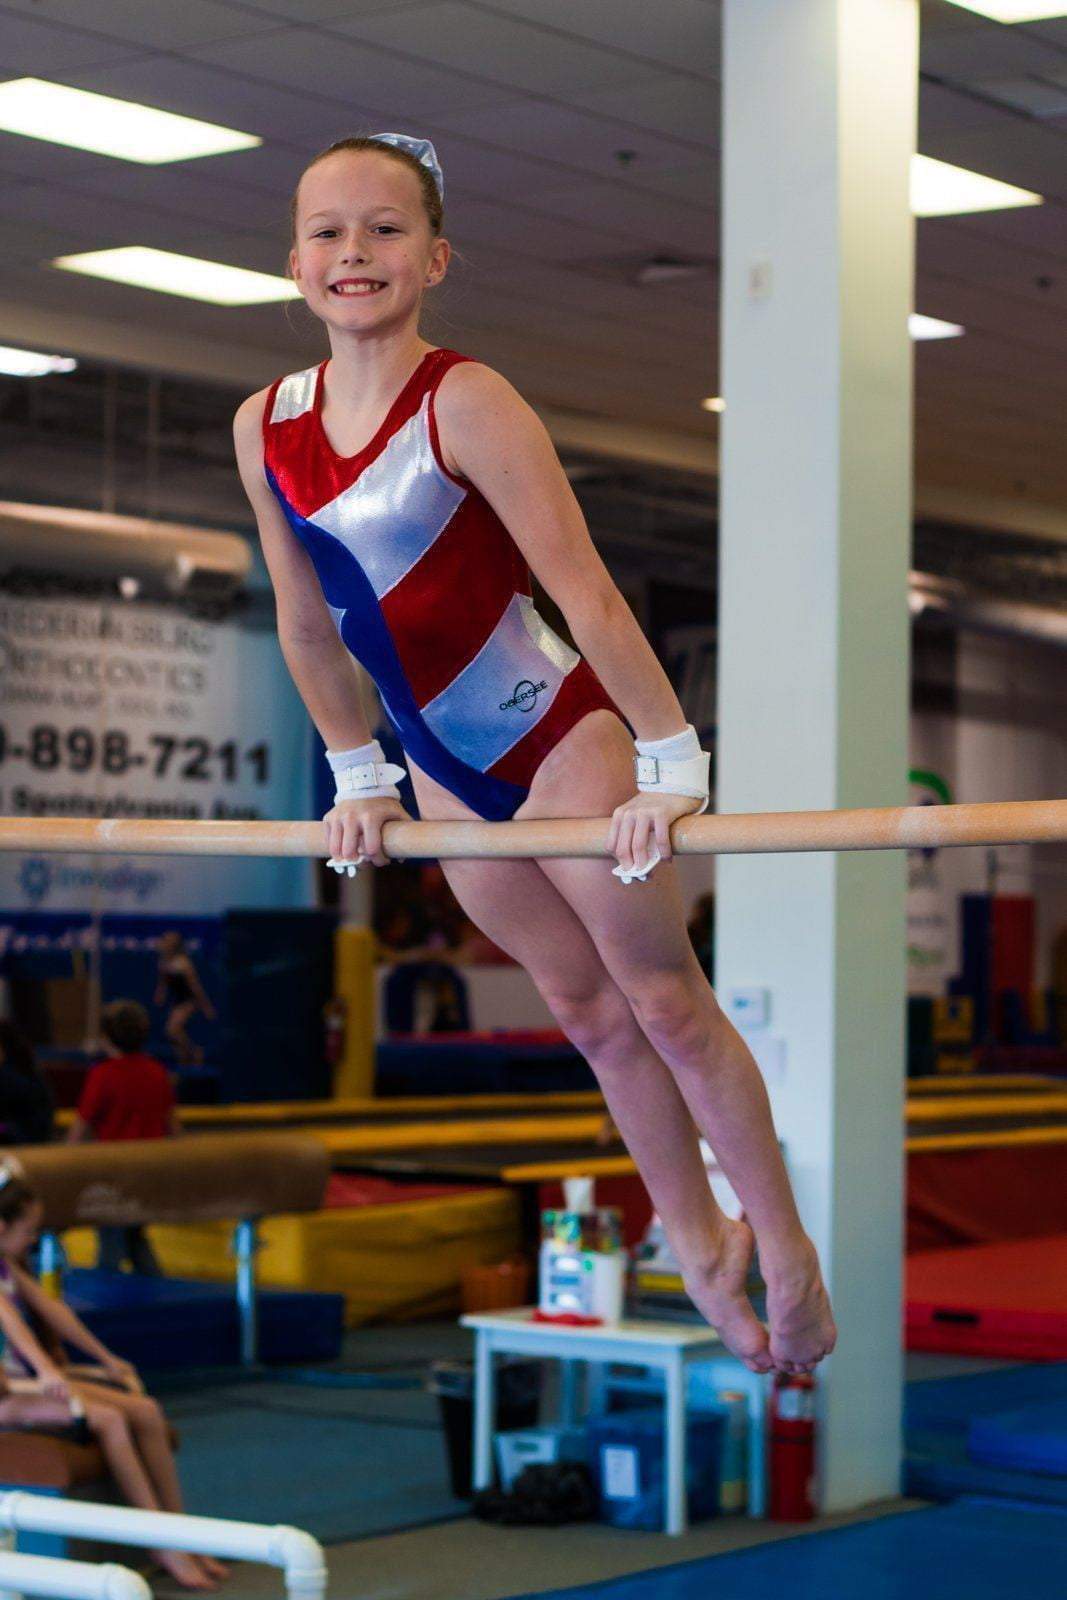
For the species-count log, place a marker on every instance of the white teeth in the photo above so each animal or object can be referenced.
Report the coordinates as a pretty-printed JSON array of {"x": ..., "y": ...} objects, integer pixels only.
[{"x": 357, "y": 288}]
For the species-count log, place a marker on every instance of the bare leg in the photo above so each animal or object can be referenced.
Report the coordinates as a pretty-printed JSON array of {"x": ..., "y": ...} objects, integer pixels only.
[
  {"x": 109, "y": 1427},
  {"x": 188, "y": 1053},
  {"x": 151, "y": 1441},
  {"x": 639, "y": 932},
  {"x": 645, "y": 1103}
]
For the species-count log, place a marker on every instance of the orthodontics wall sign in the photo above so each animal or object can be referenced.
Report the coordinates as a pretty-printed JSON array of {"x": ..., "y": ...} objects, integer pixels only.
[{"x": 116, "y": 709}]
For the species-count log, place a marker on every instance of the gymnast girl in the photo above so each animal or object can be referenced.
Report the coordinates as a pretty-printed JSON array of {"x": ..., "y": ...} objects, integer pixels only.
[
  {"x": 104, "y": 1401},
  {"x": 403, "y": 494},
  {"x": 178, "y": 984}
]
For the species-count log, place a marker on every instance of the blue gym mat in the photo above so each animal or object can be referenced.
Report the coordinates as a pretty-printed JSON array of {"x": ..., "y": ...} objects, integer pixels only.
[
  {"x": 938, "y": 1414},
  {"x": 984, "y": 1549},
  {"x": 178, "y": 1323}
]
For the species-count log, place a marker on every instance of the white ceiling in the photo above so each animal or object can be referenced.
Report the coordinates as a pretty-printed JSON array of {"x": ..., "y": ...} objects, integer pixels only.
[{"x": 529, "y": 103}]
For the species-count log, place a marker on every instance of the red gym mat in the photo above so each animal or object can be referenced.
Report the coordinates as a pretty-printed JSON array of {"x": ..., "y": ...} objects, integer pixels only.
[{"x": 1006, "y": 1299}]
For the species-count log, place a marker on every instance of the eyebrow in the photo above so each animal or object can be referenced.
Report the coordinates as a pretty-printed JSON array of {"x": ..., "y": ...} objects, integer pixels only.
[{"x": 397, "y": 209}]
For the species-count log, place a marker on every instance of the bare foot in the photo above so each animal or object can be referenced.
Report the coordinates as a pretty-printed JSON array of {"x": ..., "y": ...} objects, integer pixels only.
[
  {"x": 798, "y": 1310},
  {"x": 214, "y": 1568},
  {"x": 186, "y": 1569},
  {"x": 718, "y": 1292}
]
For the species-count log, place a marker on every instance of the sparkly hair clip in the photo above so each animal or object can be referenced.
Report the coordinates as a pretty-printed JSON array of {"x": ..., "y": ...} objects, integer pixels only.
[{"x": 421, "y": 149}]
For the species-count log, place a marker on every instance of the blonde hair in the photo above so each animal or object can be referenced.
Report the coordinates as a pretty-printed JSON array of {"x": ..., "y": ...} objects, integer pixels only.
[{"x": 432, "y": 203}]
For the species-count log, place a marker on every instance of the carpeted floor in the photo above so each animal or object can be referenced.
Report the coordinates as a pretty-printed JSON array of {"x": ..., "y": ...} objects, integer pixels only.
[
  {"x": 341, "y": 1462},
  {"x": 363, "y": 1466}
]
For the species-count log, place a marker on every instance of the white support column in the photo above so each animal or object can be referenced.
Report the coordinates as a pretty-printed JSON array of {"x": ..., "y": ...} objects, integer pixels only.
[{"x": 818, "y": 132}]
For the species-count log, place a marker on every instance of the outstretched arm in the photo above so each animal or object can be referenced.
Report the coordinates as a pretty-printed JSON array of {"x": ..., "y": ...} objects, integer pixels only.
[{"x": 321, "y": 667}]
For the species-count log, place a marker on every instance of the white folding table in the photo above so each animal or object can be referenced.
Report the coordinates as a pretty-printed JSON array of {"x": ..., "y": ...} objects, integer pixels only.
[{"x": 667, "y": 1347}]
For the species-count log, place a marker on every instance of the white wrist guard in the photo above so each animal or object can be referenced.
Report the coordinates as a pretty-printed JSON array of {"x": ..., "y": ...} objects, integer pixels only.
[
  {"x": 674, "y": 766},
  {"x": 364, "y": 774}
]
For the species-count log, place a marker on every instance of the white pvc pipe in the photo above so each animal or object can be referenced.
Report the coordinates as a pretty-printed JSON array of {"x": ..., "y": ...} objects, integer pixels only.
[
  {"x": 295, "y": 1552},
  {"x": 69, "y": 1580}
]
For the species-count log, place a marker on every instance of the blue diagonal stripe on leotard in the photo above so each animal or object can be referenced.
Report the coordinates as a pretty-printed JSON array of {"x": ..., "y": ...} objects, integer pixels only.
[{"x": 347, "y": 588}]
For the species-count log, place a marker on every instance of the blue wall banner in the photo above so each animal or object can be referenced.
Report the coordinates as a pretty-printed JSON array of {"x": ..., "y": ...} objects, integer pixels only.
[{"x": 116, "y": 709}]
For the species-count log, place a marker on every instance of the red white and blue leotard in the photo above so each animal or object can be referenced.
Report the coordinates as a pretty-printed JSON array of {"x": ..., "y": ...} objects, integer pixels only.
[{"x": 429, "y": 592}]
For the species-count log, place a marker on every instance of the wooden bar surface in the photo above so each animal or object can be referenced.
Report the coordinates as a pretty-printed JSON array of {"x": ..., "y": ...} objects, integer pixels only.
[{"x": 888, "y": 828}]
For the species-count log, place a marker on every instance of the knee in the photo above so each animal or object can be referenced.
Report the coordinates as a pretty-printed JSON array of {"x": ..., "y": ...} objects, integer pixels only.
[
  {"x": 107, "y": 1421},
  {"x": 594, "y": 1019},
  {"x": 146, "y": 1414},
  {"x": 674, "y": 1012}
]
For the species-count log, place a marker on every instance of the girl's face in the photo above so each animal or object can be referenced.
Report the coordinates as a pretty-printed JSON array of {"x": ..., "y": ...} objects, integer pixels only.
[
  {"x": 17, "y": 1237},
  {"x": 364, "y": 252}
]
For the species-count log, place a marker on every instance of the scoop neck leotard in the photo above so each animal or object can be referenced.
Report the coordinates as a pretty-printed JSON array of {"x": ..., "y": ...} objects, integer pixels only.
[{"x": 428, "y": 591}]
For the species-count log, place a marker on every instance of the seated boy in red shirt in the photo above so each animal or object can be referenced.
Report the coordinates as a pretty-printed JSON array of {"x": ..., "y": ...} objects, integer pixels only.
[{"x": 129, "y": 1095}]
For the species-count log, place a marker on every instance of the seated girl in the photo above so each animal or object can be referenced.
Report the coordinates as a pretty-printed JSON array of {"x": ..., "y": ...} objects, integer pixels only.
[{"x": 41, "y": 1391}]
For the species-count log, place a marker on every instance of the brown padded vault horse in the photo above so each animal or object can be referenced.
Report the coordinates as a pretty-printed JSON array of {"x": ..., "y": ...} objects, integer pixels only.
[{"x": 197, "y": 1178}]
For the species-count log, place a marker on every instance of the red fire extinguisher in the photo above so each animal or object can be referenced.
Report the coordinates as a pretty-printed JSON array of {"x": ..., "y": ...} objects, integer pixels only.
[{"x": 792, "y": 1449}]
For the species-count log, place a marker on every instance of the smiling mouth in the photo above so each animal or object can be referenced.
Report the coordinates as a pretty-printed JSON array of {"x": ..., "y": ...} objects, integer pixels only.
[{"x": 347, "y": 290}]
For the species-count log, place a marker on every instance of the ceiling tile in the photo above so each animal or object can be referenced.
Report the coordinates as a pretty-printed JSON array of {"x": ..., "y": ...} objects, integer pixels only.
[
  {"x": 582, "y": 289},
  {"x": 520, "y": 228},
  {"x": 199, "y": 90},
  {"x": 308, "y": 11},
  {"x": 943, "y": 109},
  {"x": 21, "y": 157},
  {"x": 272, "y": 166},
  {"x": 186, "y": 192},
  {"x": 675, "y": 107},
  {"x": 499, "y": 50},
  {"x": 151, "y": 26},
  {"x": 35, "y": 50},
  {"x": 485, "y": 171},
  {"x": 1027, "y": 227},
  {"x": 81, "y": 215},
  {"x": 639, "y": 219},
  {"x": 675, "y": 33},
  {"x": 575, "y": 140},
  {"x": 369, "y": 84},
  {"x": 987, "y": 50},
  {"x": 32, "y": 242},
  {"x": 1032, "y": 156},
  {"x": 956, "y": 250},
  {"x": 1053, "y": 31}
]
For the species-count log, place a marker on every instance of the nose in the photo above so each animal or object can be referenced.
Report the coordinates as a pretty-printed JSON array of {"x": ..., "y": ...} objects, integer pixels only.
[{"x": 353, "y": 249}]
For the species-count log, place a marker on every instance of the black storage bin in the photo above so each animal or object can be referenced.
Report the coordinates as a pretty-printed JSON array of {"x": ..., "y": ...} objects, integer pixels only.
[{"x": 518, "y": 1401}]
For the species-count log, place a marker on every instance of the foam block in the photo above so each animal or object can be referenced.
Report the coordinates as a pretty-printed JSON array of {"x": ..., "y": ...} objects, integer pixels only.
[
  {"x": 1007, "y": 1299},
  {"x": 1032, "y": 1439}
]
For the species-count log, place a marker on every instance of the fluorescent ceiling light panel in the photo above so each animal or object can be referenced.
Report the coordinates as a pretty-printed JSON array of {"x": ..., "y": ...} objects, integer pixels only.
[
  {"x": 714, "y": 403},
  {"x": 86, "y": 121},
  {"x": 32, "y": 363},
  {"x": 145, "y": 268},
  {"x": 939, "y": 189},
  {"x": 1014, "y": 10},
  {"x": 933, "y": 328}
]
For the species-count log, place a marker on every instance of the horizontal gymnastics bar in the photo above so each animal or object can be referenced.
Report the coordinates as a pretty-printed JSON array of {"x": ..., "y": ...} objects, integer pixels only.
[{"x": 888, "y": 828}]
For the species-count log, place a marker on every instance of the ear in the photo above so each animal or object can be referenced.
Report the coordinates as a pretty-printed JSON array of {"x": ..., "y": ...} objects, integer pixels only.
[
  {"x": 437, "y": 265},
  {"x": 294, "y": 268}
]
